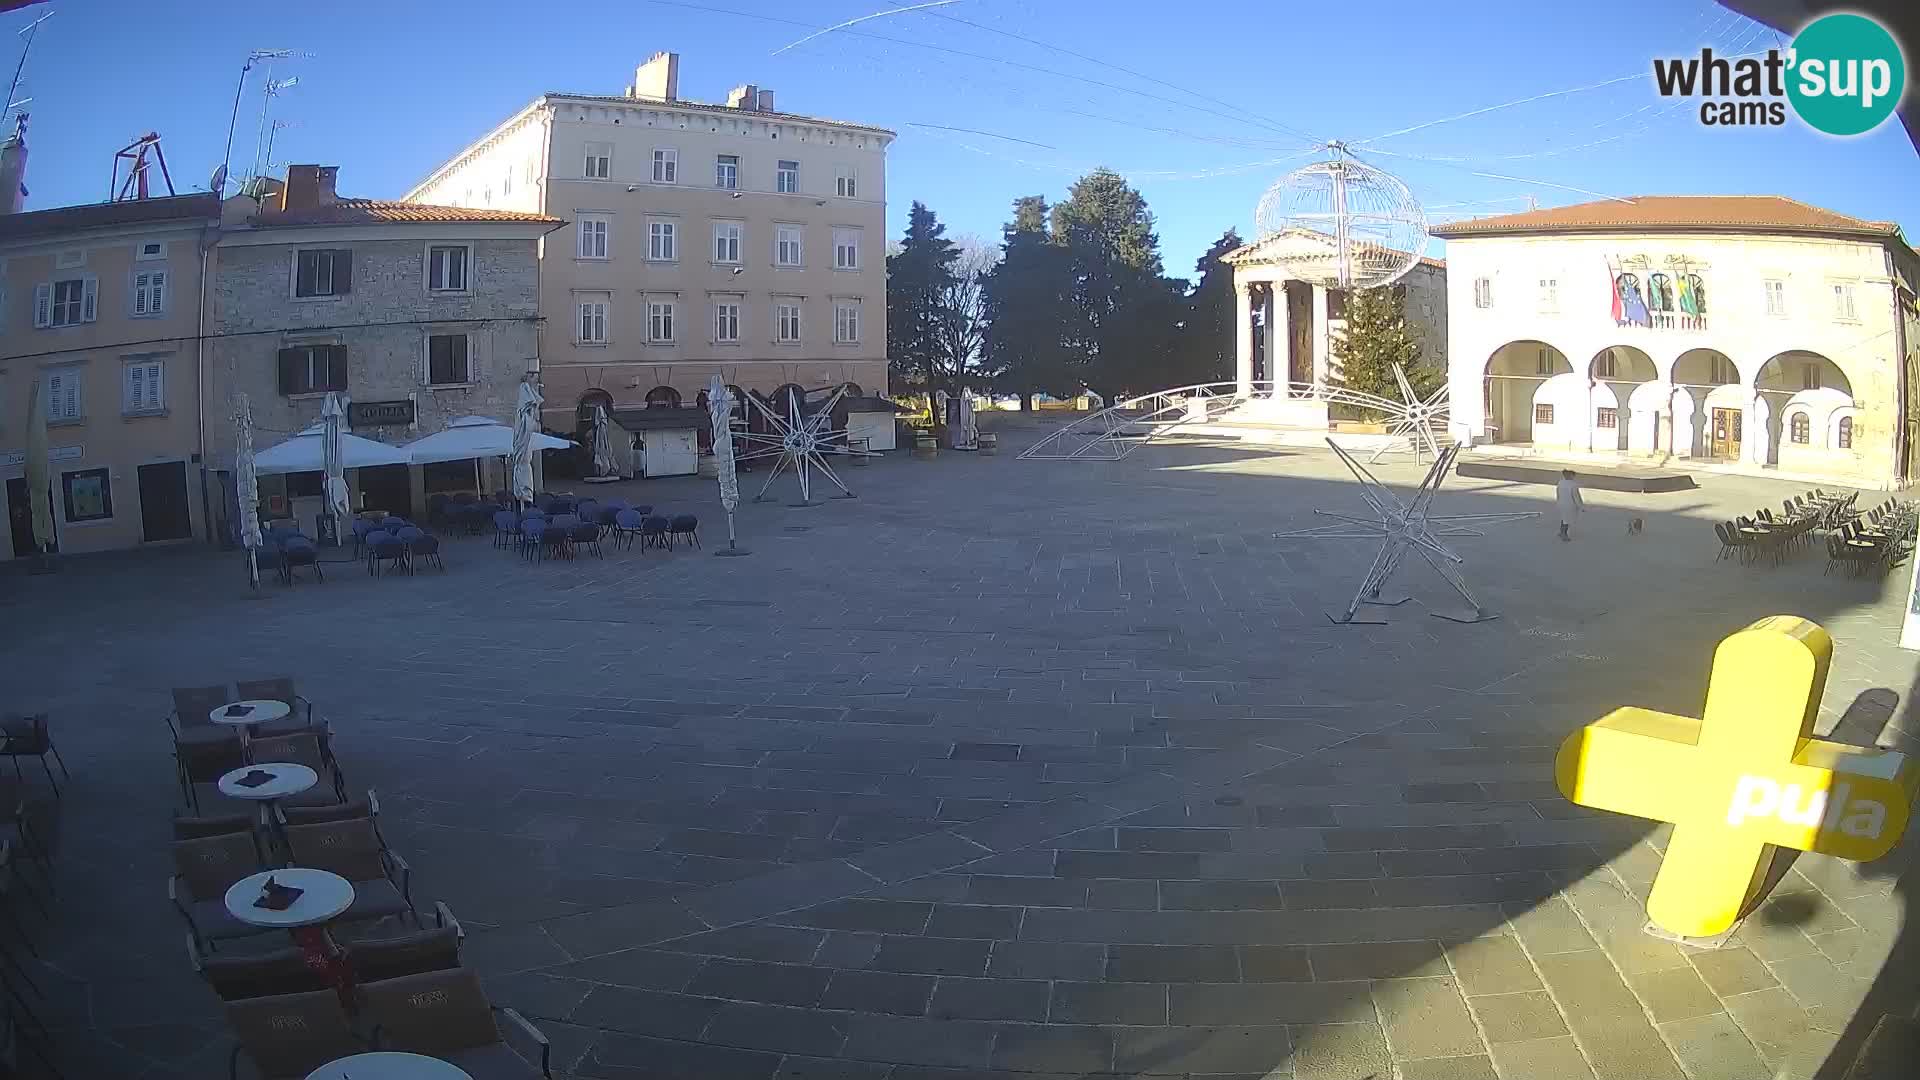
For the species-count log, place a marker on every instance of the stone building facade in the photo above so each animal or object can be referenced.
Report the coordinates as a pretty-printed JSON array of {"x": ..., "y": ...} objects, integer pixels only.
[
  {"x": 418, "y": 315},
  {"x": 1755, "y": 333},
  {"x": 705, "y": 239}
]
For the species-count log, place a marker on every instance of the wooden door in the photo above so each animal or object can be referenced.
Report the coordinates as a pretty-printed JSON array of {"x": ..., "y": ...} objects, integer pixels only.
[
  {"x": 1725, "y": 442},
  {"x": 163, "y": 502}
]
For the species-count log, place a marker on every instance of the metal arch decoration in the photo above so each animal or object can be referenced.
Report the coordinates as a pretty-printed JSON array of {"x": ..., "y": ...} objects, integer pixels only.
[
  {"x": 800, "y": 442},
  {"x": 1400, "y": 526},
  {"x": 1118, "y": 430}
]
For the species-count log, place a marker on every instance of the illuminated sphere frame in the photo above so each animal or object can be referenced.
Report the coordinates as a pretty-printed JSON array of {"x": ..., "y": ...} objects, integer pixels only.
[{"x": 1372, "y": 227}]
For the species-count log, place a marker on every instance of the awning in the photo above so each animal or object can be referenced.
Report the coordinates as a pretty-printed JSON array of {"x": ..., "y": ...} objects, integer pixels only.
[
  {"x": 302, "y": 453},
  {"x": 473, "y": 437}
]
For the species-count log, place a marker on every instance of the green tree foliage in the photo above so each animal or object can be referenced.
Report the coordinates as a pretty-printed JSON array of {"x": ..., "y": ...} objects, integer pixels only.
[
  {"x": 918, "y": 276},
  {"x": 1205, "y": 352},
  {"x": 1026, "y": 298},
  {"x": 1376, "y": 337}
]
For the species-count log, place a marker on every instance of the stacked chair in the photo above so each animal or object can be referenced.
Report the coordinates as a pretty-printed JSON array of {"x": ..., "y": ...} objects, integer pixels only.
[
  {"x": 1872, "y": 542},
  {"x": 406, "y": 988},
  {"x": 26, "y": 902},
  {"x": 1772, "y": 537}
]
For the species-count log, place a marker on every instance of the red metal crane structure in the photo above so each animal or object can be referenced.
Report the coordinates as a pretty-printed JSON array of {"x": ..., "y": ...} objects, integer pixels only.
[{"x": 137, "y": 154}]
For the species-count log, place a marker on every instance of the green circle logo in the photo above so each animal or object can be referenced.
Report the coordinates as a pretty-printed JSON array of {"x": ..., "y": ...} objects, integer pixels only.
[{"x": 1845, "y": 74}]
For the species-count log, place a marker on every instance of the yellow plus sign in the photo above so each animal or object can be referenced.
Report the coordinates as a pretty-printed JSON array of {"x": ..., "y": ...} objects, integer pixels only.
[{"x": 1744, "y": 778}]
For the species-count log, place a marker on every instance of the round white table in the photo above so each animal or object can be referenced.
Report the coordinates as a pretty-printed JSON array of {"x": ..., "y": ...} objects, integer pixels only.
[
  {"x": 287, "y": 779},
  {"x": 389, "y": 1066},
  {"x": 258, "y": 712},
  {"x": 326, "y": 895}
]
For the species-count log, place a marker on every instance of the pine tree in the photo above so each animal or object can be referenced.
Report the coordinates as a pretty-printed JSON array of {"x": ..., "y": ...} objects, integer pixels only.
[
  {"x": 1026, "y": 299},
  {"x": 917, "y": 276},
  {"x": 1207, "y": 334},
  {"x": 1376, "y": 337},
  {"x": 1112, "y": 253}
]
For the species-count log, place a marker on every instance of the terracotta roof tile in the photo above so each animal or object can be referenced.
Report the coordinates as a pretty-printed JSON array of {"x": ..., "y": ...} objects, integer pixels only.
[
  {"x": 1747, "y": 213},
  {"x": 388, "y": 212}
]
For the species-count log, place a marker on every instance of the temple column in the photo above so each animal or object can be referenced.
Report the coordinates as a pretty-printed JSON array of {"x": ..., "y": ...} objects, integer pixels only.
[
  {"x": 1322, "y": 338},
  {"x": 1242, "y": 338},
  {"x": 1280, "y": 338}
]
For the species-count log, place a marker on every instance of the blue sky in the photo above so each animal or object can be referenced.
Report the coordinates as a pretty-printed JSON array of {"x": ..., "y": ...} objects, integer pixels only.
[{"x": 1201, "y": 104}]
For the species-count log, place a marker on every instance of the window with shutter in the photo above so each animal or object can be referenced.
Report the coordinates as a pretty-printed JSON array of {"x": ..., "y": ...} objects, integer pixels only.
[
  {"x": 312, "y": 369},
  {"x": 150, "y": 292},
  {"x": 144, "y": 391},
  {"x": 447, "y": 360},
  {"x": 89, "y": 299},
  {"x": 43, "y": 305},
  {"x": 317, "y": 273},
  {"x": 336, "y": 368},
  {"x": 63, "y": 394},
  {"x": 69, "y": 302},
  {"x": 342, "y": 271}
]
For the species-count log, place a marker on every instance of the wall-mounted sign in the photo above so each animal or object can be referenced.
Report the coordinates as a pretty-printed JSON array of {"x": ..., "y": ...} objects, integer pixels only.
[
  {"x": 15, "y": 459},
  {"x": 380, "y": 413}
]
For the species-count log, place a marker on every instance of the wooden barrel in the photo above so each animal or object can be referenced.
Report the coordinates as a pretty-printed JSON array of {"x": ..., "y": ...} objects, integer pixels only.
[
  {"x": 924, "y": 445},
  {"x": 989, "y": 442}
]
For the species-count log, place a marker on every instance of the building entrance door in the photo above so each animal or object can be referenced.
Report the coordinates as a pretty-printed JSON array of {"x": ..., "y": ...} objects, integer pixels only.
[
  {"x": 1725, "y": 442},
  {"x": 20, "y": 517},
  {"x": 163, "y": 502}
]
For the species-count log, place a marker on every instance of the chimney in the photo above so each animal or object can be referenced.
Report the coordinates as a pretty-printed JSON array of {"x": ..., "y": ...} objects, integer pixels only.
[
  {"x": 658, "y": 78},
  {"x": 744, "y": 96},
  {"x": 765, "y": 101},
  {"x": 309, "y": 187},
  {"x": 13, "y": 168}
]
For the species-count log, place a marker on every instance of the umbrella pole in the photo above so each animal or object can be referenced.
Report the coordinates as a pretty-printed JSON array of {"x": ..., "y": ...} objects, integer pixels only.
[{"x": 253, "y": 569}]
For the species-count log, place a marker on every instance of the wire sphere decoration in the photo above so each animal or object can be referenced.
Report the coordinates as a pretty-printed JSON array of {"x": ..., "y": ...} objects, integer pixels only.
[{"x": 1360, "y": 227}]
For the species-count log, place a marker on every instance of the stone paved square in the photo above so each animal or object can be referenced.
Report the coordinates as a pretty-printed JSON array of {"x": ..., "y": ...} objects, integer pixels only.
[{"x": 1005, "y": 768}]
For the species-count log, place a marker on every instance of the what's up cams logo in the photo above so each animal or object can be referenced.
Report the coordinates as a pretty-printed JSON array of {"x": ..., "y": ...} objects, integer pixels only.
[{"x": 1844, "y": 74}]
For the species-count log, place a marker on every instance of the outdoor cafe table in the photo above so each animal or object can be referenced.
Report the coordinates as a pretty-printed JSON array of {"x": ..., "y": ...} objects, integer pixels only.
[
  {"x": 324, "y": 896},
  {"x": 286, "y": 778},
  {"x": 257, "y": 711},
  {"x": 387, "y": 1065}
]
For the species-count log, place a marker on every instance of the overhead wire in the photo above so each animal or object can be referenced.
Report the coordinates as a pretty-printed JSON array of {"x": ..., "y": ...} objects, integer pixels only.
[{"x": 864, "y": 18}]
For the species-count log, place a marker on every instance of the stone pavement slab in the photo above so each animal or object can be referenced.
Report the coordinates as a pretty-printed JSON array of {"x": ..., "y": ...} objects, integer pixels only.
[{"x": 1075, "y": 782}]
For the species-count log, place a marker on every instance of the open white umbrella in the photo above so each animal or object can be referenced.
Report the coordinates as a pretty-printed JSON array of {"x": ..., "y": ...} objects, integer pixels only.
[
  {"x": 249, "y": 485},
  {"x": 305, "y": 452},
  {"x": 526, "y": 424},
  {"x": 39, "y": 498},
  {"x": 475, "y": 438}
]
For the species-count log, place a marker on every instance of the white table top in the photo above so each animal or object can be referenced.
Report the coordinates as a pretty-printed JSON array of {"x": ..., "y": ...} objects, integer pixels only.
[
  {"x": 288, "y": 779},
  {"x": 389, "y": 1066},
  {"x": 326, "y": 896},
  {"x": 260, "y": 713}
]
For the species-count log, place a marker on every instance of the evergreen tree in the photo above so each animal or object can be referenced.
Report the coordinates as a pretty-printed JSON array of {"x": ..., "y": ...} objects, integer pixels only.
[
  {"x": 1111, "y": 251},
  {"x": 1207, "y": 336},
  {"x": 1026, "y": 298},
  {"x": 918, "y": 274},
  {"x": 1376, "y": 337}
]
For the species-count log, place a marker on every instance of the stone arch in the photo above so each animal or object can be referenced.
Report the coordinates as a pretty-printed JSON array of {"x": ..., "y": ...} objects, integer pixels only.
[
  {"x": 663, "y": 397},
  {"x": 1515, "y": 372},
  {"x": 583, "y": 412},
  {"x": 1796, "y": 378},
  {"x": 1623, "y": 369},
  {"x": 1705, "y": 380}
]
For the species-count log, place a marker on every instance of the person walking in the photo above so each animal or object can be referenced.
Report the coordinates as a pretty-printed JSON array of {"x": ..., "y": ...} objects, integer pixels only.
[{"x": 1567, "y": 494}]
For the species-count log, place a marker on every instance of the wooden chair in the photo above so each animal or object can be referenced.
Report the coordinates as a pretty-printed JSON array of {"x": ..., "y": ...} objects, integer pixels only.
[
  {"x": 288, "y": 1036},
  {"x": 382, "y": 880},
  {"x": 446, "y": 1014},
  {"x": 204, "y": 868}
]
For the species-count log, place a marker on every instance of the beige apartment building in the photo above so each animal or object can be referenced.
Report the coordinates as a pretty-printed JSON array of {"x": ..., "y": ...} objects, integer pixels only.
[
  {"x": 99, "y": 306},
  {"x": 705, "y": 239}
]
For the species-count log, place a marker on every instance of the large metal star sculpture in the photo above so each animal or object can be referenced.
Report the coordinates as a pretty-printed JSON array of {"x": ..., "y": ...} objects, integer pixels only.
[
  {"x": 799, "y": 443},
  {"x": 1400, "y": 526},
  {"x": 1415, "y": 420}
]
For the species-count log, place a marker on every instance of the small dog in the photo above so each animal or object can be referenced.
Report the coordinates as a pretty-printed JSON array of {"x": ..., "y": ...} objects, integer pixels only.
[{"x": 1636, "y": 526}]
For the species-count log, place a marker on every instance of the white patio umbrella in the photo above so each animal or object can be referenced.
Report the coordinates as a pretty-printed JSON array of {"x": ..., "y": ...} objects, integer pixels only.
[
  {"x": 526, "y": 424},
  {"x": 249, "y": 485},
  {"x": 39, "y": 498},
  {"x": 304, "y": 453},
  {"x": 720, "y": 414},
  {"x": 474, "y": 437},
  {"x": 603, "y": 463},
  {"x": 336, "y": 472}
]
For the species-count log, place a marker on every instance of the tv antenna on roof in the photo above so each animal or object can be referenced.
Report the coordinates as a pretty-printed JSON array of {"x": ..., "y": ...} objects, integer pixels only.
[
  {"x": 263, "y": 139},
  {"x": 28, "y": 31}
]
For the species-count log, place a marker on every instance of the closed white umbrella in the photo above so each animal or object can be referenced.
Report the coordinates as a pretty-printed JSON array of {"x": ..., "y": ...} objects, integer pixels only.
[
  {"x": 333, "y": 465},
  {"x": 720, "y": 413},
  {"x": 526, "y": 424},
  {"x": 603, "y": 463},
  {"x": 39, "y": 499},
  {"x": 249, "y": 485}
]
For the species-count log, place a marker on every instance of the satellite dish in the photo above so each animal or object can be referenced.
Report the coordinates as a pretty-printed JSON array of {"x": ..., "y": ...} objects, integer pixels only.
[
  {"x": 1353, "y": 226},
  {"x": 218, "y": 182}
]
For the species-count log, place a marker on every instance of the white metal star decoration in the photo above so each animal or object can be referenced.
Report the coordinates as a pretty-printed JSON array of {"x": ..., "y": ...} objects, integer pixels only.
[
  {"x": 1416, "y": 419},
  {"x": 1400, "y": 526},
  {"x": 800, "y": 443}
]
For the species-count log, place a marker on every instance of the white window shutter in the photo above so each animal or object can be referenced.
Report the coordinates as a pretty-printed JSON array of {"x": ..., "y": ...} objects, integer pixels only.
[
  {"x": 156, "y": 392},
  {"x": 43, "y": 305},
  {"x": 157, "y": 292},
  {"x": 89, "y": 295}
]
